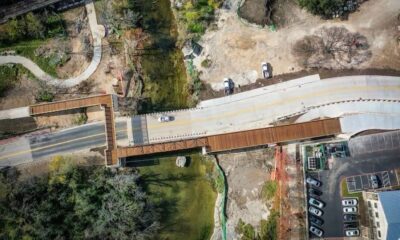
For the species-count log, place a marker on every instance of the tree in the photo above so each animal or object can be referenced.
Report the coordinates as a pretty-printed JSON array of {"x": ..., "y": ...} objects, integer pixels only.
[
  {"x": 334, "y": 47},
  {"x": 34, "y": 26},
  {"x": 73, "y": 202},
  {"x": 15, "y": 29},
  {"x": 321, "y": 7}
]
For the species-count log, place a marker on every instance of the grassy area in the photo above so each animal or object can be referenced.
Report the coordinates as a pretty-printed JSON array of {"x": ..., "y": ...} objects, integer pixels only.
[
  {"x": 30, "y": 31},
  {"x": 345, "y": 192},
  {"x": 27, "y": 49},
  {"x": 184, "y": 195}
]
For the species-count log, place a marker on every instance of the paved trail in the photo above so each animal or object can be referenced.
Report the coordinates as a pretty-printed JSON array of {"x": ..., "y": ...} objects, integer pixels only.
[{"x": 98, "y": 33}]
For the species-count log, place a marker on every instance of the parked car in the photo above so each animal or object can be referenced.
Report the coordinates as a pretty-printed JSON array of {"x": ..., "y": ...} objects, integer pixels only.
[
  {"x": 349, "y": 202},
  {"x": 313, "y": 182},
  {"x": 350, "y": 209},
  {"x": 349, "y": 217},
  {"x": 350, "y": 225},
  {"x": 316, "y": 231},
  {"x": 352, "y": 232},
  {"x": 266, "y": 71},
  {"x": 316, "y": 221},
  {"x": 316, "y": 203},
  {"x": 165, "y": 118},
  {"x": 374, "y": 181},
  {"x": 315, "y": 211},
  {"x": 314, "y": 192}
]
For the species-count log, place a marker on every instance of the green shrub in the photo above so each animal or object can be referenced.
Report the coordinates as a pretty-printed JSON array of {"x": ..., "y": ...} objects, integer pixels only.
[
  {"x": 269, "y": 227},
  {"x": 321, "y": 7},
  {"x": 206, "y": 63},
  {"x": 197, "y": 15},
  {"x": 81, "y": 119},
  {"x": 269, "y": 189},
  {"x": 45, "y": 95},
  {"x": 246, "y": 230},
  {"x": 8, "y": 77}
]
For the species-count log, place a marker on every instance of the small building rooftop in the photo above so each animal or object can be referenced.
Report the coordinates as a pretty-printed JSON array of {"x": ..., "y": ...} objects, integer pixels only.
[{"x": 390, "y": 204}]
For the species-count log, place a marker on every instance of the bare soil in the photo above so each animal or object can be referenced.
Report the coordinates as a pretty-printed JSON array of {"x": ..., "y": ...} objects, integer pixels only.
[
  {"x": 246, "y": 173},
  {"x": 236, "y": 49},
  {"x": 22, "y": 94},
  {"x": 78, "y": 62}
]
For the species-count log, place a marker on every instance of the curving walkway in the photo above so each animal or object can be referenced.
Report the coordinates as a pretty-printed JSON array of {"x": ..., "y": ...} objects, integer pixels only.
[{"x": 98, "y": 32}]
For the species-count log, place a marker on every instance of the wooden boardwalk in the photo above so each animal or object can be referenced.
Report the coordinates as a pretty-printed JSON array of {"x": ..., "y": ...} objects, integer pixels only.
[{"x": 106, "y": 101}]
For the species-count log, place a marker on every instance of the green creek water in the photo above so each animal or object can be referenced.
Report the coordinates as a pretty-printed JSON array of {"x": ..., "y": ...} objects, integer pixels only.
[{"x": 163, "y": 67}]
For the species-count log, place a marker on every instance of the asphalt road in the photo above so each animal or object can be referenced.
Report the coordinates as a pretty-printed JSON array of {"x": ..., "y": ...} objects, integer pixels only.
[
  {"x": 367, "y": 160},
  {"x": 81, "y": 138},
  {"x": 262, "y": 107}
]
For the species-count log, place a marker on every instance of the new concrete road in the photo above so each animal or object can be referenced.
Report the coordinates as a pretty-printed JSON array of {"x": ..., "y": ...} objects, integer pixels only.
[
  {"x": 262, "y": 107},
  {"x": 42, "y": 146}
]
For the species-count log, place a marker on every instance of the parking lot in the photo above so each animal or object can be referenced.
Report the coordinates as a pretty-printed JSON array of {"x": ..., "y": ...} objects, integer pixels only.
[
  {"x": 356, "y": 170},
  {"x": 359, "y": 183}
]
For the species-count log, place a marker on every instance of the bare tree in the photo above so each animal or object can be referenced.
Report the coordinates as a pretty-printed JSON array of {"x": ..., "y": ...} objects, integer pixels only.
[{"x": 334, "y": 47}]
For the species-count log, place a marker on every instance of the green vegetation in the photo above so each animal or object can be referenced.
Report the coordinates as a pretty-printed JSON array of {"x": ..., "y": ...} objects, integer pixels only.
[
  {"x": 184, "y": 195},
  {"x": 162, "y": 63},
  {"x": 25, "y": 34},
  {"x": 73, "y": 202},
  {"x": 8, "y": 77},
  {"x": 206, "y": 63},
  {"x": 81, "y": 119},
  {"x": 27, "y": 49},
  {"x": 45, "y": 24},
  {"x": 45, "y": 95},
  {"x": 321, "y": 7},
  {"x": 269, "y": 189},
  {"x": 268, "y": 228},
  {"x": 197, "y": 15}
]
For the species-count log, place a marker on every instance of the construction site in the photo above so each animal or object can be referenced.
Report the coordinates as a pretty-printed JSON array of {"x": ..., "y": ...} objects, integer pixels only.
[{"x": 247, "y": 125}]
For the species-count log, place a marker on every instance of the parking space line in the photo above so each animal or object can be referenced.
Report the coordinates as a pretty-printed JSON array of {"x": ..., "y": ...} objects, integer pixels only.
[
  {"x": 386, "y": 179},
  {"x": 362, "y": 184}
]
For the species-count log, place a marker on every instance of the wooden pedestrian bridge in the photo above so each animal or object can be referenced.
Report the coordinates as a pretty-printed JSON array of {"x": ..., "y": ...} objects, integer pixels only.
[
  {"x": 209, "y": 144},
  {"x": 240, "y": 140}
]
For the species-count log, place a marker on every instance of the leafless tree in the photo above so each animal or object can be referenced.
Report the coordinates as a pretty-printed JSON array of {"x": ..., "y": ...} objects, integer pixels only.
[{"x": 334, "y": 47}]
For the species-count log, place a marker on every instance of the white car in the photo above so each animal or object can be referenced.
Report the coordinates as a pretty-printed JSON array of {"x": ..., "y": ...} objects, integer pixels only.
[
  {"x": 349, "y": 202},
  {"x": 374, "y": 181},
  {"x": 313, "y": 182},
  {"x": 352, "y": 232},
  {"x": 315, "y": 211},
  {"x": 165, "y": 119},
  {"x": 350, "y": 209},
  {"x": 265, "y": 70},
  {"x": 316, "y": 203},
  {"x": 316, "y": 231}
]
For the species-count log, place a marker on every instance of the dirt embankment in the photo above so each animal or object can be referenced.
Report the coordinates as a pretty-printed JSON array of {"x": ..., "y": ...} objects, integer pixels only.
[
  {"x": 246, "y": 173},
  {"x": 236, "y": 49}
]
